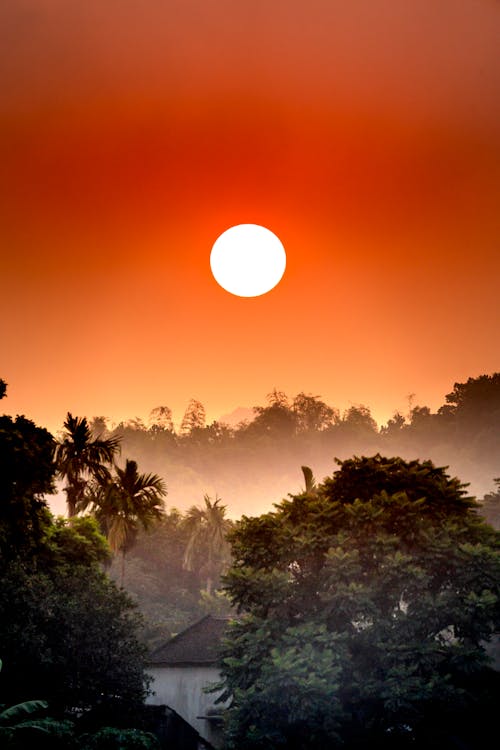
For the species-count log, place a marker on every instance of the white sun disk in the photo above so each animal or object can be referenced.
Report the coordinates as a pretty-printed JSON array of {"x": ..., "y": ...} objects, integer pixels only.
[{"x": 248, "y": 260}]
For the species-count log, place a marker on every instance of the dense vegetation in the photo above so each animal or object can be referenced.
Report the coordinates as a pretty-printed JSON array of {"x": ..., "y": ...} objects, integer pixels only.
[
  {"x": 68, "y": 636},
  {"x": 255, "y": 463},
  {"x": 367, "y": 602},
  {"x": 358, "y": 573}
]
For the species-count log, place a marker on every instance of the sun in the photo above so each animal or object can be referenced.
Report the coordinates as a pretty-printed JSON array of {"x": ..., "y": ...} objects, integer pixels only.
[{"x": 248, "y": 260}]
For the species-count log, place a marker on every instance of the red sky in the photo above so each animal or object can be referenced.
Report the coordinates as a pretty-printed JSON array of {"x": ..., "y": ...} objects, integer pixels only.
[{"x": 365, "y": 134}]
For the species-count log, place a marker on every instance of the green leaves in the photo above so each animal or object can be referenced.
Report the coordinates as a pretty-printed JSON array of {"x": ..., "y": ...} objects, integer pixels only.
[
  {"x": 369, "y": 602},
  {"x": 20, "y": 711}
]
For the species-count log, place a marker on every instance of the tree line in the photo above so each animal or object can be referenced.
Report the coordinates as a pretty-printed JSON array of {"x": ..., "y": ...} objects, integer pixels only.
[
  {"x": 255, "y": 463},
  {"x": 362, "y": 605},
  {"x": 182, "y": 553}
]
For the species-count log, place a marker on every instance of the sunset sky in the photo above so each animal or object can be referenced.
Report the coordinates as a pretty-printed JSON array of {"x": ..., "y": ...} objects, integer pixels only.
[{"x": 365, "y": 134}]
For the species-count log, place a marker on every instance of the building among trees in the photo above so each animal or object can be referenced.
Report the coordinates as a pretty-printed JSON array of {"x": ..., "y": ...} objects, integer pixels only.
[{"x": 183, "y": 668}]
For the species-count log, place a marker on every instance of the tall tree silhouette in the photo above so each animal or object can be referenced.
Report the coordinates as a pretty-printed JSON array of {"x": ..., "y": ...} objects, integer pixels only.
[
  {"x": 80, "y": 457},
  {"x": 207, "y": 549},
  {"x": 194, "y": 417},
  {"x": 124, "y": 502}
]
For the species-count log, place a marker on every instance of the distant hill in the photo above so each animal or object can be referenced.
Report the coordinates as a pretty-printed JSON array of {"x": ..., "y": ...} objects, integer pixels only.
[{"x": 240, "y": 414}]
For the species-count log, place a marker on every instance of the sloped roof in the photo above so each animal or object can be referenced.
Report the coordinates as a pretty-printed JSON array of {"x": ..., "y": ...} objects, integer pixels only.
[{"x": 198, "y": 644}]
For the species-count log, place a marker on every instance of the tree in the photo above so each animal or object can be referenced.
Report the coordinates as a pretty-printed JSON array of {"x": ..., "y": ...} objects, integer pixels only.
[
  {"x": 358, "y": 419},
  {"x": 124, "y": 503},
  {"x": 69, "y": 636},
  {"x": 161, "y": 418},
  {"x": 194, "y": 417},
  {"x": 312, "y": 414},
  {"x": 490, "y": 506},
  {"x": 26, "y": 474},
  {"x": 207, "y": 548},
  {"x": 310, "y": 482},
  {"x": 365, "y": 607},
  {"x": 81, "y": 457},
  {"x": 3, "y": 388},
  {"x": 168, "y": 595},
  {"x": 277, "y": 420},
  {"x": 476, "y": 400}
]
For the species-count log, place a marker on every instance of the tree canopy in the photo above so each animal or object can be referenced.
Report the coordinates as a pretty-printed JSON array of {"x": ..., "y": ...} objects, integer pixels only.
[
  {"x": 67, "y": 634},
  {"x": 366, "y": 604},
  {"x": 26, "y": 474},
  {"x": 80, "y": 456}
]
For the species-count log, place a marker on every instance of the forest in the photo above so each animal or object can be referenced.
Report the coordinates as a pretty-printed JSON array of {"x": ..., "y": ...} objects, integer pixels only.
[
  {"x": 256, "y": 462},
  {"x": 247, "y": 468},
  {"x": 86, "y": 597}
]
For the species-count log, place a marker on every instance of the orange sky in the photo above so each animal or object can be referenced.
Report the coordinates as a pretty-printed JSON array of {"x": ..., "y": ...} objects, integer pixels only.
[{"x": 365, "y": 134}]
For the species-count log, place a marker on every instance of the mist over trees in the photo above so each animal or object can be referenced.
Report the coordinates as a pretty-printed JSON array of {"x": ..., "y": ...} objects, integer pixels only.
[
  {"x": 371, "y": 595},
  {"x": 256, "y": 463}
]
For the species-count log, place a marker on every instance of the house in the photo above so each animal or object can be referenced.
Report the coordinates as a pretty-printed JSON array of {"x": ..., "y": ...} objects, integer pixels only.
[{"x": 182, "y": 668}]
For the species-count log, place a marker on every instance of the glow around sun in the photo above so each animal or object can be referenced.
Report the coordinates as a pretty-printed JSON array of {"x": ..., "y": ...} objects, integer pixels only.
[{"x": 248, "y": 260}]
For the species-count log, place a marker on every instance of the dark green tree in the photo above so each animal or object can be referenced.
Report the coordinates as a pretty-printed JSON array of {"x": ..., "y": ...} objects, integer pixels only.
[
  {"x": 27, "y": 474},
  {"x": 366, "y": 607},
  {"x": 68, "y": 635}
]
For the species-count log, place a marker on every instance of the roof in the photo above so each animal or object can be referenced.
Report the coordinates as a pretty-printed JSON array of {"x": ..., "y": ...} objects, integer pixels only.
[{"x": 198, "y": 644}]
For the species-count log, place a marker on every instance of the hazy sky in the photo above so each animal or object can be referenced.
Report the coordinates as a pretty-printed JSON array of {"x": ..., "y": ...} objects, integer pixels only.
[{"x": 366, "y": 134}]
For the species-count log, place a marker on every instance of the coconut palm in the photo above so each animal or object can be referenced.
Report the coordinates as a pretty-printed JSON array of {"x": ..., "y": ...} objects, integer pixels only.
[
  {"x": 80, "y": 457},
  {"x": 309, "y": 479},
  {"x": 207, "y": 549},
  {"x": 123, "y": 503}
]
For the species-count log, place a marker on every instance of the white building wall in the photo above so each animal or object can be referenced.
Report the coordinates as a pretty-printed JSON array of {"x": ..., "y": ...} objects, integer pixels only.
[{"x": 181, "y": 688}]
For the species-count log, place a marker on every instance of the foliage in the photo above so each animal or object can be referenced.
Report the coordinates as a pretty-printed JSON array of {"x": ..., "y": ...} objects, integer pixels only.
[
  {"x": 71, "y": 637},
  {"x": 475, "y": 399},
  {"x": 207, "y": 549},
  {"x": 22, "y": 729},
  {"x": 367, "y": 604},
  {"x": 124, "y": 502},
  {"x": 110, "y": 738},
  {"x": 490, "y": 506},
  {"x": 168, "y": 595},
  {"x": 160, "y": 418},
  {"x": 254, "y": 463},
  {"x": 312, "y": 414},
  {"x": 26, "y": 475},
  {"x": 80, "y": 457},
  {"x": 194, "y": 417}
]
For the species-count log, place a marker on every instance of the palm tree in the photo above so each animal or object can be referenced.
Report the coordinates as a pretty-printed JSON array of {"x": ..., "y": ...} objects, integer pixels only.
[
  {"x": 80, "y": 457},
  {"x": 309, "y": 479},
  {"x": 123, "y": 503},
  {"x": 207, "y": 549}
]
